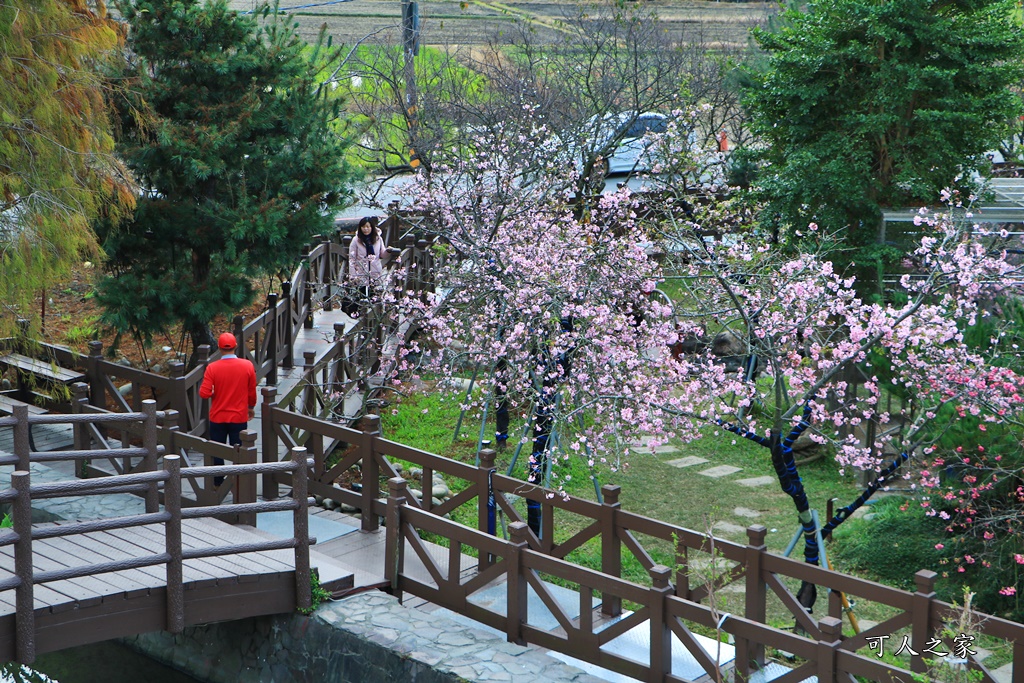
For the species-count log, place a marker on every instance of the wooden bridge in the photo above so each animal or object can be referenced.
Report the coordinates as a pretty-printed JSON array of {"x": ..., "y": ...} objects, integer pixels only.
[
  {"x": 655, "y": 579},
  {"x": 83, "y": 581}
]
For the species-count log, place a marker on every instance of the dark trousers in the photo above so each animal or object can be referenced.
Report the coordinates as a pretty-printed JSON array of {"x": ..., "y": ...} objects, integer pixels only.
[{"x": 229, "y": 433}]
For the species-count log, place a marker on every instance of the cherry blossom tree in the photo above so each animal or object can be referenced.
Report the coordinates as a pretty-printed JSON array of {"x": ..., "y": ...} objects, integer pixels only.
[{"x": 565, "y": 314}]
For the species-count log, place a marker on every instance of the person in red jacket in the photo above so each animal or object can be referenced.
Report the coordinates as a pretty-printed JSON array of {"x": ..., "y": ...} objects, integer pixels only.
[{"x": 231, "y": 383}]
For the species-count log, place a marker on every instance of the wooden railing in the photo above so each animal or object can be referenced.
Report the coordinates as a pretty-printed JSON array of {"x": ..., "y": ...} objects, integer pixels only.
[
  {"x": 268, "y": 340},
  {"x": 673, "y": 597},
  {"x": 144, "y": 479}
]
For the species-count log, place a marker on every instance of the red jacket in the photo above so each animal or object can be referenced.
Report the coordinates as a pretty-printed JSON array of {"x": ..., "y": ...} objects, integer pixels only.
[{"x": 231, "y": 381}]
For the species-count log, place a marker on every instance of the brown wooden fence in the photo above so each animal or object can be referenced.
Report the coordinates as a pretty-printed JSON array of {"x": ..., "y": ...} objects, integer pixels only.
[
  {"x": 268, "y": 340},
  {"x": 670, "y": 600},
  {"x": 153, "y": 483}
]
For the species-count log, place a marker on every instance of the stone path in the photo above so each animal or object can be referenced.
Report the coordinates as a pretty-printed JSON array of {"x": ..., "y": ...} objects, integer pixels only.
[
  {"x": 704, "y": 467},
  {"x": 445, "y": 645}
]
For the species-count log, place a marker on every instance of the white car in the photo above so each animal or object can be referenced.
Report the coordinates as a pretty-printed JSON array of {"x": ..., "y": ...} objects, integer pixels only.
[{"x": 629, "y": 154}]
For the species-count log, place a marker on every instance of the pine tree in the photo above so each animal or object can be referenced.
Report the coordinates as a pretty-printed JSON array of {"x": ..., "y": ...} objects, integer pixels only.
[
  {"x": 232, "y": 137},
  {"x": 56, "y": 170}
]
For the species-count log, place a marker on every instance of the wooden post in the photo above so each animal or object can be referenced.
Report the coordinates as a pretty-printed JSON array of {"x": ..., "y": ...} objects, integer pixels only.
[
  {"x": 151, "y": 445},
  {"x": 611, "y": 545},
  {"x": 831, "y": 636},
  {"x": 92, "y": 371},
  {"x": 245, "y": 484},
  {"x": 516, "y": 607},
  {"x": 172, "y": 545},
  {"x": 486, "y": 505},
  {"x": 308, "y": 360},
  {"x": 179, "y": 393},
  {"x": 371, "y": 473},
  {"x": 289, "y": 332},
  {"x": 270, "y": 448},
  {"x": 25, "y": 620},
  {"x": 22, "y": 436},
  {"x": 272, "y": 331},
  {"x": 394, "y": 543},
  {"x": 80, "y": 399},
  {"x": 921, "y": 611},
  {"x": 308, "y": 290},
  {"x": 750, "y": 655},
  {"x": 661, "y": 635},
  {"x": 169, "y": 433},
  {"x": 300, "y": 517},
  {"x": 203, "y": 426}
]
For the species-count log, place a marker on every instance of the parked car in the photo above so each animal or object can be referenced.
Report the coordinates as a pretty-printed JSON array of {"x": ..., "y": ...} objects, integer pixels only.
[{"x": 621, "y": 140}]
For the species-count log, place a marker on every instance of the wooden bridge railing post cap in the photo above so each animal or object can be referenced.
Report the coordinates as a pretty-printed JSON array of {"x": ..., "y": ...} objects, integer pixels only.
[
  {"x": 610, "y": 494},
  {"x": 268, "y": 393},
  {"x": 925, "y": 581},
  {"x": 487, "y": 457},
  {"x": 95, "y": 348},
  {"x": 203, "y": 353},
  {"x": 371, "y": 422},
  {"x": 518, "y": 533},
  {"x": 248, "y": 436},
  {"x": 79, "y": 390},
  {"x": 756, "y": 534},
  {"x": 177, "y": 369},
  {"x": 831, "y": 629},
  {"x": 397, "y": 486},
  {"x": 308, "y": 357},
  {"x": 660, "y": 575}
]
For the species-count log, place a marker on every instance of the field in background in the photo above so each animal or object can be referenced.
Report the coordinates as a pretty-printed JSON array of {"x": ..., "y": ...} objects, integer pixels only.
[{"x": 472, "y": 22}]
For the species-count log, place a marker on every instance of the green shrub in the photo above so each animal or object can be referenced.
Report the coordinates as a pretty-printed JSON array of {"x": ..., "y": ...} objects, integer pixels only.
[{"x": 892, "y": 545}]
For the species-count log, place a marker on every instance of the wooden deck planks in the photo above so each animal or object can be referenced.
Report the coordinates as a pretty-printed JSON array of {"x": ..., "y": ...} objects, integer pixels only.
[
  {"x": 65, "y": 553},
  {"x": 106, "y": 546},
  {"x": 226, "y": 534}
]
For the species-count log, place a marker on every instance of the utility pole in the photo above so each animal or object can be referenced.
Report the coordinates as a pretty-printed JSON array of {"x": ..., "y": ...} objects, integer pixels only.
[{"x": 410, "y": 48}]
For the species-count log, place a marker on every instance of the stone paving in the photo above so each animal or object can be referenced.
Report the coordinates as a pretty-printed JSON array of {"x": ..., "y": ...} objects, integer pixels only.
[
  {"x": 445, "y": 645},
  {"x": 720, "y": 471},
  {"x": 688, "y": 461}
]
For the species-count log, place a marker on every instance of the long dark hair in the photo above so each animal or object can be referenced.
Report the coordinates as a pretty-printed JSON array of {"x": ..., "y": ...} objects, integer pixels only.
[{"x": 368, "y": 240}]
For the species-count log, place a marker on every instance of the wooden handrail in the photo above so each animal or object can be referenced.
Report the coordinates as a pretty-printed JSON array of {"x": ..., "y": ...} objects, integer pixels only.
[
  {"x": 171, "y": 474},
  {"x": 615, "y": 527}
]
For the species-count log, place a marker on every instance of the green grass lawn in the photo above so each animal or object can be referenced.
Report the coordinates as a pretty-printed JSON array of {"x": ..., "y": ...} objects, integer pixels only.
[{"x": 650, "y": 487}]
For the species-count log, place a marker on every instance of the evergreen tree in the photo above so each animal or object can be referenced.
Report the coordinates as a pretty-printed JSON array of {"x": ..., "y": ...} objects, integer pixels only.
[
  {"x": 56, "y": 170},
  {"x": 232, "y": 137},
  {"x": 865, "y": 104}
]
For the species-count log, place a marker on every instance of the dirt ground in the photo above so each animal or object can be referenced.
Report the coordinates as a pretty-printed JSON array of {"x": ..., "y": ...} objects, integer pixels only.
[
  {"x": 72, "y": 319},
  {"x": 473, "y": 22}
]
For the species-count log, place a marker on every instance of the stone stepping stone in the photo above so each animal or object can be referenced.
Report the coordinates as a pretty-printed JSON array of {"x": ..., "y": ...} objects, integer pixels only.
[
  {"x": 746, "y": 512},
  {"x": 728, "y": 528},
  {"x": 756, "y": 481},
  {"x": 688, "y": 461},
  {"x": 720, "y": 471},
  {"x": 659, "y": 450}
]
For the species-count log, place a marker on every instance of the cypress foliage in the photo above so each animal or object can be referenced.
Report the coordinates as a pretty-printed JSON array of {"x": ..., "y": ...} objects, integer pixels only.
[{"x": 56, "y": 169}]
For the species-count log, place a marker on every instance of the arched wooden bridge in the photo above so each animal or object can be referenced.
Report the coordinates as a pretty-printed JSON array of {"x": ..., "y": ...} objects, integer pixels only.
[{"x": 75, "y": 582}]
